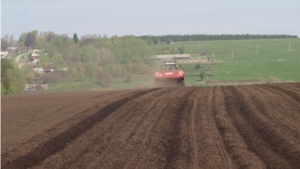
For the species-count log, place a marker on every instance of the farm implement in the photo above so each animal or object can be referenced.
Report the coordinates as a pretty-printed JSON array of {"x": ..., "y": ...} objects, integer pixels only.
[{"x": 169, "y": 76}]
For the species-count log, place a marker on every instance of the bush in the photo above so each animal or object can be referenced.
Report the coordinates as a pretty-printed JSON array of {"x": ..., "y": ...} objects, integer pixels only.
[
  {"x": 202, "y": 75},
  {"x": 127, "y": 77},
  {"x": 197, "y": 66}
]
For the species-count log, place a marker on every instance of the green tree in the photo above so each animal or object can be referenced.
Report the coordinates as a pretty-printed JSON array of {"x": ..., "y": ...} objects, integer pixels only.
[
  {"x": 3, "y": 90},
  {"x": 6, "y": 81},
  {"x": 202, "y": 75},
  {"x": 86, "y": 53},
  {"x": 44, "y": 61},
  {"x": 91, "y": 69},
  {"x": 69, "y": 42},
  {"x": 5, "y": 65},
  {"x": 11, "y": 90},
  {"x": 20, "y": 80},
  {"x": 168, "y": 41},
  {"x": 57, "y": 41},
  {"x": 136, "y": 60},
  {"x": 14, "y": 81},
  {"x": 58, "y": 59},
  {"x": 130, "y": 49},
  {"x": 75, "y": 38},
  {"x": 155, "y": 41},
  {"x": 103, "y": 76},
  {"x": 29, "y": 73},
  {"x": 22, "y": 38},
  {"x": 75, "y": 73},
  {"x": 30, "y": 39},
  {"x": 182, "y": 50}
]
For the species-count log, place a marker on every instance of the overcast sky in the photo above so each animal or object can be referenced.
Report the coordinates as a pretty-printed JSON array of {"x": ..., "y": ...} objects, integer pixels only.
[{"x": 155, "y": 17}]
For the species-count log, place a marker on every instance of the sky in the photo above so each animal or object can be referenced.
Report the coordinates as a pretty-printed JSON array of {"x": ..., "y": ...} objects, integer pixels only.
[{"x": 151, "y": 17}]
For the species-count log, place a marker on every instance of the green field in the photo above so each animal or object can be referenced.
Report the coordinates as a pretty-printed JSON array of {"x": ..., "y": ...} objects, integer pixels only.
[{"x": 273, "y": 61}]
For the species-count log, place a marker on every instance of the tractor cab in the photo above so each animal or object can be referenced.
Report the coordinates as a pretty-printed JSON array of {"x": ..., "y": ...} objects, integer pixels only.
[
  {"x": 169, "y": 66},
  {"x": 170, "y": 75}
]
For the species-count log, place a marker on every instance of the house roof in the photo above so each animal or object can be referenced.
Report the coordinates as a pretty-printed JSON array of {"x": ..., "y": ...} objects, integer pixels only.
[
  {"x": 178, "y": 56},
  {"x": 23, "y": 47}
]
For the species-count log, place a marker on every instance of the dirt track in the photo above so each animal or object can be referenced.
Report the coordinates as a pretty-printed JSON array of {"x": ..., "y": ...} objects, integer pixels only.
[{"x": 254, "y": 126}]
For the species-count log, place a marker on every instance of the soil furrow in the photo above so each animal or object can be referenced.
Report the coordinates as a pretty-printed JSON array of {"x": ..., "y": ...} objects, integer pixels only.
[
  {"x": 230, "y": 130},
  {"x": 153, "y": 153},
  {"x": 252, "y": 126},
  {"x": 174, "y": 143},
  {"x": 58, "y": 143},
  {"x": 279, "y": 98},
  {"x": 211, "y": 150},
  {"x": 295, "y": 88},
  {"x": 157, "y": 99},
  {"x": 290, "y": 93},
  {"x": 285, "y": 117},
  {"x": 226, "y": 163},
  {"x": 139, "y": 151},
  {"x": 278, "y": 143},
  {"x": 121, "y": 145},
  {"x": 194, "y": 132},
  {"x": 73, "y": 116},
  {"x": 253, "y": 138},
  {"x": 104, "y": 138}
]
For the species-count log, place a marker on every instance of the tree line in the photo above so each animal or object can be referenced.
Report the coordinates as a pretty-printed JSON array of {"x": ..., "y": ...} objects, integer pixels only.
[
  {"x": 204, "y": 37},
  {"x": 12, "y": 78},
  {"x": 90, "y": 56}
]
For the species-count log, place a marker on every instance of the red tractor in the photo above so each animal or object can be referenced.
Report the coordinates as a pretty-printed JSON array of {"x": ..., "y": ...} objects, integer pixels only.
[{"x": 169, "y": 76}]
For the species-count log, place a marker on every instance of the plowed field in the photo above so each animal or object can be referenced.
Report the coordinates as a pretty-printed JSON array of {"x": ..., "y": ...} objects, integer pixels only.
[{"x": 255, "y": 126}]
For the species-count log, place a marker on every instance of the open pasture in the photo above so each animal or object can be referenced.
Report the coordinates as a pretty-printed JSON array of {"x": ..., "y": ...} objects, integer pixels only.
[{"x": 275, "y": 60}]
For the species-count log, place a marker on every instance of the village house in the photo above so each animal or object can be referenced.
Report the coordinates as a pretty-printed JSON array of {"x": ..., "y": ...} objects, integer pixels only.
[
  {"x": 24, "y": 48},
  {"x": 41, "y": 70},
  {"x": 48, "y": 70},
  {"x": 4, "y": 54},
  {"x": 35, "y": 54},
  {"x": 38, "y": 70},
  {"x": 170, "y": 58}
]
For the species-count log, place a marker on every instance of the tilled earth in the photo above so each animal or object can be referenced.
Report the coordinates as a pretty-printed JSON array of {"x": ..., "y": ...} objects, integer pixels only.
[{"x": 255, "y": 126}]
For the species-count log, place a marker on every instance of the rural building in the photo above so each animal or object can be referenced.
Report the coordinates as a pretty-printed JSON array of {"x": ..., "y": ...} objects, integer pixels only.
[
  {"x": 35, "y": 54},
  {"x": 4, "y": 54},
  {"x": 24, "y": 48},
  {"x": 48, "y": 70},
  {"x": 45, "y": 86},
  {"x": 34, "y": 88},
  {"x": 42, "y": 70},
  {"x": 12, "y": 48},
  {"x": 62, "y": 69},
  {"x": 38, "y": 69},
  {"x": 30, "y": 88},
  {"x": 170, "y": 58},
  {"x": 11, "y": 51}
]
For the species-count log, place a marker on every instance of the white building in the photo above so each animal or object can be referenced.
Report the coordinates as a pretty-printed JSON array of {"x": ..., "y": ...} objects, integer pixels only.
[
  {"x": 38, "y": 69},
  {"x": 170, "y": 58},
  {"x": 35, "y": 54},
  {"x": 4, "y": 54}
]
